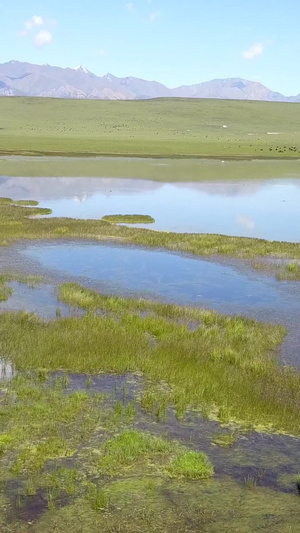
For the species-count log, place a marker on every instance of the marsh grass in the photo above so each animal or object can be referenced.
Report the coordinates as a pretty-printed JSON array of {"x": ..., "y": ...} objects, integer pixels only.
[
  {"x": 56, "y": 450},
  {"x": 97, "y": 497},
  {"x": 129, "y": 219},
  {"x": 19, "y": 223},
  {"x": 5, "y": 291},
  {"x": 283, "y": 269},
  {"x": 133, "y": 450},
  {"x": 290, "y": 272},
  {"x": 42, "y": 423},
  {"x": 250, "y": 482},
  {"x": 226, "y": 367},
  {"x": 190, "y": 465},
  {"x": 41, "y": 426}
]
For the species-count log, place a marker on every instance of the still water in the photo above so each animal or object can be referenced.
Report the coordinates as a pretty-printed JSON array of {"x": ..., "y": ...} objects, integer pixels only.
[
  {"x": 161, "y": 274},
  {"x": 227, "y": 286},
  {"x": 263, "y": 208}
]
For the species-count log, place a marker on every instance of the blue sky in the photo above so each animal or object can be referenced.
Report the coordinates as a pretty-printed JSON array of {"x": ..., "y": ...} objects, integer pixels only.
[{"x": 175, "y": 42}]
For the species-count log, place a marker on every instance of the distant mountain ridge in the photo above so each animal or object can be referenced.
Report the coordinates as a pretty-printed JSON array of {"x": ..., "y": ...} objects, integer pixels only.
[{"x": 26, "y": 79}]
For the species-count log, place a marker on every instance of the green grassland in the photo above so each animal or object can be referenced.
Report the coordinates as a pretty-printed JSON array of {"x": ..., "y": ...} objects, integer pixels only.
[{"x": 152, "y": 128}]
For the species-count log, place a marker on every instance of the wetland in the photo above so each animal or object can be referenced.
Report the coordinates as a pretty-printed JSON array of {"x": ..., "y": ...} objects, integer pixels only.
[{"x": 150, "y": 376}]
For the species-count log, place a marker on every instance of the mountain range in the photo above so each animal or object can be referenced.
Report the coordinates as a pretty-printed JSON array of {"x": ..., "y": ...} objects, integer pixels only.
[{"x": 26, "y": 79}]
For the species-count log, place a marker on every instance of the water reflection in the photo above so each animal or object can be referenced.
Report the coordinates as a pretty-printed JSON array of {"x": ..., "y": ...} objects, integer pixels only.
[
  {"x": 254, "y": 208},
  {"x": 226, "y": 287},
  {"x": 229, "y": 287},
  {"x": 40, "y": 300}
]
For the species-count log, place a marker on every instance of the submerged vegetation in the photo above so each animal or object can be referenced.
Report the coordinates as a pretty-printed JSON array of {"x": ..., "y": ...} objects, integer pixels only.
[
  {"x": 5, "y": 290},
  {"x": 283, "y": 269},
  {"x": 18, "y": 222},
  {"x": 129, "y": 219},
  {"x": 44, "y": 425},
  {"x": 72, "y": 460}
]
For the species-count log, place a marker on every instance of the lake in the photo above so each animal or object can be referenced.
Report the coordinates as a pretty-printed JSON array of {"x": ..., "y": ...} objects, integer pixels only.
[{"x": 207, "y": 197}]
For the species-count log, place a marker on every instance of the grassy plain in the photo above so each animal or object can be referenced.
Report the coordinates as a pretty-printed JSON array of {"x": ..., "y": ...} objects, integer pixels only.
[{"x": 149, "y": 128}]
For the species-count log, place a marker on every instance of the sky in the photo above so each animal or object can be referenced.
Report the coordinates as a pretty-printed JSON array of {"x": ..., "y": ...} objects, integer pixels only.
[{"x": 175, "y": 42}]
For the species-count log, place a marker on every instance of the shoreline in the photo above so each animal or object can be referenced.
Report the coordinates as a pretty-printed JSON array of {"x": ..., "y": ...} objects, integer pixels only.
[{"x": 119, "y": 155}]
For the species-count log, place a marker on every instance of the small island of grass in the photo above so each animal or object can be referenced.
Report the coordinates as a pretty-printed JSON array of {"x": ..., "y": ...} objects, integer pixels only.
[
  {"x": 129, "y": 219},
  {"x": 26, "y": 203}
]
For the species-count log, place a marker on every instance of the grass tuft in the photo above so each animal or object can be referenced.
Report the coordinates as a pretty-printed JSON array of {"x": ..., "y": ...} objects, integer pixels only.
[{"x": 190, "y": 465}]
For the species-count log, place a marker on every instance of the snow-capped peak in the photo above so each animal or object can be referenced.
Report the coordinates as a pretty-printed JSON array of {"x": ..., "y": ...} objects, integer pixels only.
[{"x": 81, "y": 68}]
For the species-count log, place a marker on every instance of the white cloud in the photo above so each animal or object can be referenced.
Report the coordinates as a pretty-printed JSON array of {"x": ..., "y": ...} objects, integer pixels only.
[
  {"x": 154, "y": 15},
  {"x": 254, "y": 51},
  {"x": 32, "y": 23},
  {"x": 246, "y": 222},
  {"x": 130, "y": 7},
  {"x": 42, "y": 38}
]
